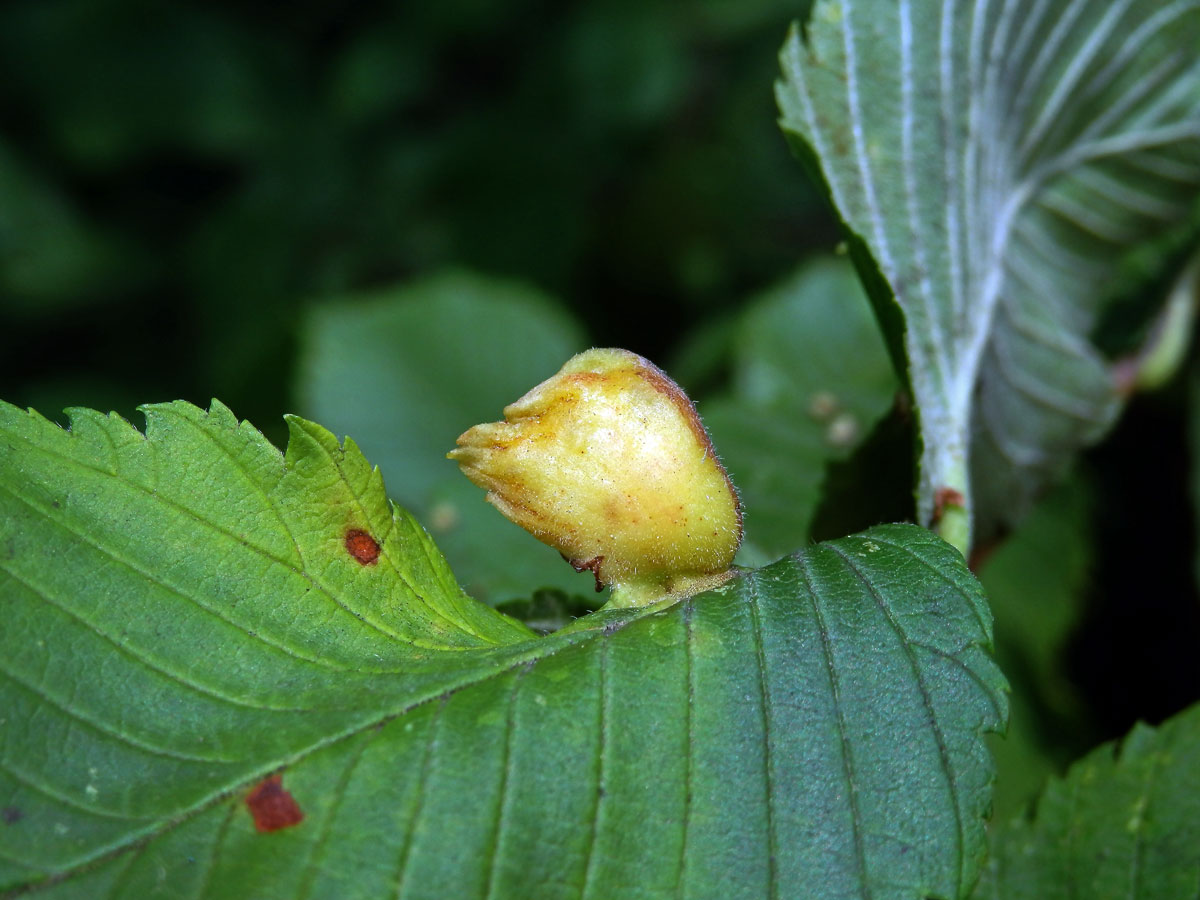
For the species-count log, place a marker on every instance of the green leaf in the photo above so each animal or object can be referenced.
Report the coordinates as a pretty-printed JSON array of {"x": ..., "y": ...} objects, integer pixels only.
[
  {"x": 182, "y": 619},
  {"x": 795, "y": 404},
  {"x": 410, "y": 369},
  {"x": 997, "y": 161},
  {"x": 1125, "y": 822},
  {"x": 180, "y": 608}
]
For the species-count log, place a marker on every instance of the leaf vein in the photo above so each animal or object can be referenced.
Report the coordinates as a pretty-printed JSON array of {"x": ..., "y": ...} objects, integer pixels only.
[
  {"x": 690, "y": 766},
  {"x": 907, "y": 125},
  {"x": 1133, "y": 45},
  {"x": 385, "y": 552},
  {"x": 204, "y": 523},
  {"x": 217, "y": 846},
  {"x": 254, "y": 484},
  {"x": 1048, "y": 51},
  {"x": 927, "y": 700},
  {"x": 317, "y": 848},
  {"x": 1139, "y": 833},
  {"x": 1066, "y": 86},
  {"x": 1038, "y": 391},
  {"x": 419, "y": 803},
  {"x": 113, "y": 555},
  {"x": 24, "y": 778},
  {"x": 503, "y": 803},
  {"x": 601, "y": 757},
  {"x": 141, "y": 660},
  {"x": 848, "y": 769},
  {"x": 984, "y": 628},
  {"x": 983, "y": 686},
  {"x": 122, "y": 878},
  {"x": 773, "y": 847},
  {"x": 96, "y": 725}
]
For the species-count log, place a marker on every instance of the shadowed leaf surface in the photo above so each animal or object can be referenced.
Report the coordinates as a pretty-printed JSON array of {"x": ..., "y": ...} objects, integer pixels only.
[{"x": 189, "y": 614}]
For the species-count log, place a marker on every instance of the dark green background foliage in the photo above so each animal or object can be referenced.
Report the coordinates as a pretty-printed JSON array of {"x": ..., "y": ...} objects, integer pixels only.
[
  {"x": 393, "y": 218},
  {"x": 180, "y": 179}
]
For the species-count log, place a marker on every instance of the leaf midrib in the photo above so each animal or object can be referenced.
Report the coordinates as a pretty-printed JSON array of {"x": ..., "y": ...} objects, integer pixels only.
[
  {"x": 535, "y": 653},
  {"x": 956, "y": 372}
]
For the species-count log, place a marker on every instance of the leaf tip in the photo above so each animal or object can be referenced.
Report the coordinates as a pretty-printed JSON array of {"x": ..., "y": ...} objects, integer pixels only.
[{"x": 303, "y": 433}]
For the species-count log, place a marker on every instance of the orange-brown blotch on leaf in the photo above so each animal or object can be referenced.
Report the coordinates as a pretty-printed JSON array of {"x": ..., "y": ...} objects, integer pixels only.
[
  {"x": 272, "y": 806},
  {"x": 362, "y": 546},
  {"x": 608, "y": 463}
]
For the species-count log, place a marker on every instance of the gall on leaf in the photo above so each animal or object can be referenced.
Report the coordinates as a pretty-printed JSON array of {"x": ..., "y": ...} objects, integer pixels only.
[{"x": 608, "y": 462}]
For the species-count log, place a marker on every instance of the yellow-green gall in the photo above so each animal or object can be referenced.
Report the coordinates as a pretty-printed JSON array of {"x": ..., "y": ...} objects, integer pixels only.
[{"x": 608, "y": 463}]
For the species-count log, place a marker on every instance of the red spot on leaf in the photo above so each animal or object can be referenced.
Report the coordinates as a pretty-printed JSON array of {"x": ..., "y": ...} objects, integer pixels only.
[
  {"x": 362, "y": 546},
  {"x": 272, "y": 806},
  {"x": 11, "y": 815}
]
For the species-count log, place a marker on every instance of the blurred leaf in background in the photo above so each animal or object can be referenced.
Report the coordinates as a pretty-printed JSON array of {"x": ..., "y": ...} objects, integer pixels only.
[
  {"x": 52, "y": 259},
  {"x": 1037, "y": 584},
  {"x": 796, "y": 401}
]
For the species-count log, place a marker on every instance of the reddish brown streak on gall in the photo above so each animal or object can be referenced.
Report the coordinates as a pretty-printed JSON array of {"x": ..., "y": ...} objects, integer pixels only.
[
  {"x": 273, "y": 807},
  {"x": 593, "y": 566},
  {"x": 362, "y": 546}
]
